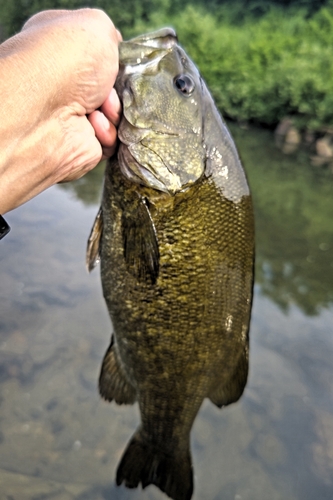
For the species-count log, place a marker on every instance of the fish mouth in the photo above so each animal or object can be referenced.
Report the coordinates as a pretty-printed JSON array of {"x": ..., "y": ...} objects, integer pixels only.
[
  {"x": 162, "y": 38},
  {"x": 142, "y": 54},
  {"x": 144, "y": 48}
]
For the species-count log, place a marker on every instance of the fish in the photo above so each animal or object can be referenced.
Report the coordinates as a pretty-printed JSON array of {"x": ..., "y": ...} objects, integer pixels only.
[{"x": 175, "y": 239}]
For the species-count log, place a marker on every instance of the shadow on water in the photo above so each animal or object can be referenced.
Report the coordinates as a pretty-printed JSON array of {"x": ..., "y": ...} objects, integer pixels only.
[{"x": 59, "y": 440}]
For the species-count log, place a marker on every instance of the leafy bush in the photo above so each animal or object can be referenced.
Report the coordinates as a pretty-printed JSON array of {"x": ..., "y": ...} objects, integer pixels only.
[{"x": 262, "y": 69}]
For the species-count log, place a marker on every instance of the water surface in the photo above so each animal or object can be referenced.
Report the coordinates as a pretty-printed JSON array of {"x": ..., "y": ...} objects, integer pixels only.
[{"x": 59, "y": 441}]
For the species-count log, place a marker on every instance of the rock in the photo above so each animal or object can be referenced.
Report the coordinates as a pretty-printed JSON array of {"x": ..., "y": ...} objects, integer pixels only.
[
  {"x": 293, "y": 136},
  {"x": 287, "y": 137},
  {"x": 324, "y": 147},
  {"x": 319, "y": 161},
  {"x": 283, "y": 126}
]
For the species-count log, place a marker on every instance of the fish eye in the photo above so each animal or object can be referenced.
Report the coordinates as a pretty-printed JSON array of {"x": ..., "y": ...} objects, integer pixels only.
[{"x": 184, "y": 84}]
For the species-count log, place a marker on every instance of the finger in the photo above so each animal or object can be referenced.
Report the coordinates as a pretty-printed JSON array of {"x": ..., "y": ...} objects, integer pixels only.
[
  {"x": 111, "y": 107},
  {"x": 105, "y": 131},
  {"x": 108, "y": 152}
]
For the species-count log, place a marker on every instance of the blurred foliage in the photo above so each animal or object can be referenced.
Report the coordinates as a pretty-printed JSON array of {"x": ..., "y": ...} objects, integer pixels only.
[
  {"x": 262, "y": 69},
  {"x": 124, "y": 13},
  {"x": 262, "y": 59}
]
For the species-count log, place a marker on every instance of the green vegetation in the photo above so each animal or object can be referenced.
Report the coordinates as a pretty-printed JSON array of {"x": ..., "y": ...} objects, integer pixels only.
[
  {"x": 263, "y": 69},
  {"x": 262, "y": 60}
]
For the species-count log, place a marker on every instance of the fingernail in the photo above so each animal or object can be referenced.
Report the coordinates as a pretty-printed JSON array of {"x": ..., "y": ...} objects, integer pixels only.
[{"x": 104, "y": 121}]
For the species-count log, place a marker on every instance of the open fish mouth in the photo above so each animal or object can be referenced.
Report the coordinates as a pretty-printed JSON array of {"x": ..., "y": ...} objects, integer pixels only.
[{"x": 143, "y": 54}]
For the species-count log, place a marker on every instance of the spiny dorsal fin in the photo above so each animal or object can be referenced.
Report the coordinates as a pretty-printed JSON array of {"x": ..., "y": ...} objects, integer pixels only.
[{"x": 94, "y": 242}]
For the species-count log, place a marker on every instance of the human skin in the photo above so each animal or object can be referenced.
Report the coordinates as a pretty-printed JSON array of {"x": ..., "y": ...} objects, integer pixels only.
[{"x": 59, "y": 108}]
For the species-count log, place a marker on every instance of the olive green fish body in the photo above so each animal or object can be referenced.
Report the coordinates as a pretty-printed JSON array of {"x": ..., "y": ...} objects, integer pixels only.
[{"x": 177, "y": 272}]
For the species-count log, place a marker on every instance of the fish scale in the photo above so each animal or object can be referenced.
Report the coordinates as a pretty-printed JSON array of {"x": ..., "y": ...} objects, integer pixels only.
[{"x": 176, "y": 265}]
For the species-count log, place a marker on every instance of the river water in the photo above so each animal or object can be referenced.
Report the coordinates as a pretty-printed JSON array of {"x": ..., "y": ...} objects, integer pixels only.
[{"x": 59, "y": 441}]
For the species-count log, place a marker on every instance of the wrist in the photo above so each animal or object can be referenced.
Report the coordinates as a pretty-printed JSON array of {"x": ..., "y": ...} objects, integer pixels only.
[{"x": 27, "y": 168}]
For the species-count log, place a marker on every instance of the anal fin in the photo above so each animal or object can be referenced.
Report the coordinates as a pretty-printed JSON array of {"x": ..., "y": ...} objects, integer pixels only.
[{"x": 113, "y": 384}]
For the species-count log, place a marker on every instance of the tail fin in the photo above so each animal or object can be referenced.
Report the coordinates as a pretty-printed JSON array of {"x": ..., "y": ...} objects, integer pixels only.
[{"x": 171, "y": 473}]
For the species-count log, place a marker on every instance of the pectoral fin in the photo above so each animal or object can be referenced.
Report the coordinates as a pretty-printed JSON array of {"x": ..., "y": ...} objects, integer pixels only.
[
  {"x": 140, "y": 242},
  {"x": 113, "y": 383},
  {"x": 94, "y": 241}
]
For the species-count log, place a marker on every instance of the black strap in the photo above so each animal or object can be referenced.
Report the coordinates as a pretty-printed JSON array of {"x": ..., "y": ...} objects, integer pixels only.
[{"x": 4, "y": 228}]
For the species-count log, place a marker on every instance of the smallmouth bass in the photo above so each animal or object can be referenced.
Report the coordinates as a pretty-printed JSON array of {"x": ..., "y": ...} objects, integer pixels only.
[{"x": 175, "y": 237}]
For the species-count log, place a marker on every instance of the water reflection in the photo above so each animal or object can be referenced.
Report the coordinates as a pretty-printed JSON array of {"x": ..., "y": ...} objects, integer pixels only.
[
  {"x": 87, "y": 189},
  {"x": 293, "y": 203},
  {"x": 59, "y": 440}
]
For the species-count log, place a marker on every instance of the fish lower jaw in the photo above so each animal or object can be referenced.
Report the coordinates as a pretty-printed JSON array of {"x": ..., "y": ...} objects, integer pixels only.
[{"x": 143, "y": 175}]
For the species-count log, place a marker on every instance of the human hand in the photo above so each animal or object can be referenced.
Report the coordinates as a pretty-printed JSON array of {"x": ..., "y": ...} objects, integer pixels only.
[{"x": 60, "y": 109}]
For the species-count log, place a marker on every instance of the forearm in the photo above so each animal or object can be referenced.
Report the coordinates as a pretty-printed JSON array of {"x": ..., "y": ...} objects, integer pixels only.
[
  {"x": 27, "y": 139},
  {"x": 17, "y": 136},
  {"x": 28, "y": 167}
]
